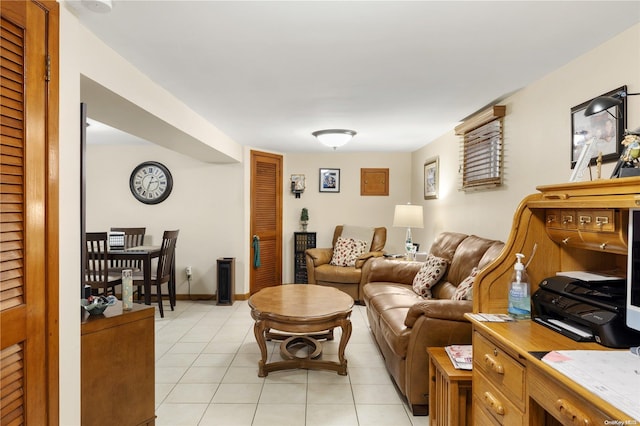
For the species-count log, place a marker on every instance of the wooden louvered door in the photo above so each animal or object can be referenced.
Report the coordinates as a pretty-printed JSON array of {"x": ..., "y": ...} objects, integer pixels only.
[
  {"x": 28, "y": 213},
  {"x": 266, "y": 219}
]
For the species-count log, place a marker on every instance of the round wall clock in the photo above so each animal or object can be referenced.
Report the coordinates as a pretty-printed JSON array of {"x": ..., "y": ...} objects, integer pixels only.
[{"x": 151, "y": 182}]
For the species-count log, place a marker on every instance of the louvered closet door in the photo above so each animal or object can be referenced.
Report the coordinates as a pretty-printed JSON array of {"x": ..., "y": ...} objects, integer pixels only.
[
  {"x": 24, "y": 187},
  {"x": 266, "y": 219}
]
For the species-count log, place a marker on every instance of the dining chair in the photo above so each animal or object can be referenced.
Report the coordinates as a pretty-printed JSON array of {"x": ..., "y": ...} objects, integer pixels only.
[
  {"x": 97, "y": 274},
  {"x": 133, "y": 237},
  {"x": 164, "y": 271}
]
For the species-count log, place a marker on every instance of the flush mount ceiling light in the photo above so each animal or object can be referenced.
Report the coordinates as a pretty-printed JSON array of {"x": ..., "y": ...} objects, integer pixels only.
[
  {"x": 334, "y": 137},
  {"x": 99, "y": 6}
]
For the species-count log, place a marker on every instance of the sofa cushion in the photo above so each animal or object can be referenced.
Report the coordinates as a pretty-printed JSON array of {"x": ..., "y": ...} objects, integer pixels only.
[
  {"x": 377, "y": 289},
  {"x": 393, "y": 330},
  {"x": 337, "y": 274},
  {"x": 464, "y": 291},
  {"x": 467, "y": 256},
  {"x": 384, "y": 302},
  {"x": 428, "y": 275}
]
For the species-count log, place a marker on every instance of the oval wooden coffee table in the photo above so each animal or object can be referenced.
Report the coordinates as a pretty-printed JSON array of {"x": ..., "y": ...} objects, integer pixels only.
[{"x": 304, "y": 311}]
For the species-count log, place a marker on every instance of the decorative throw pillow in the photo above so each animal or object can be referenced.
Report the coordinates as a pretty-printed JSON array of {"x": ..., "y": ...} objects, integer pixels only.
[
  {"x": 465, "y": 289},
  {"x": 430, "y": 273},
  {"x": 347, "y": 250},
  {"x": 359, "y": 248},
  {"x": 341, "y": 251}
]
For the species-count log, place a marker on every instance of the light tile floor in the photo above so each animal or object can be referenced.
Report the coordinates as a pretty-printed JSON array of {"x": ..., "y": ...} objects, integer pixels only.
[{"x": 207, "y": 374}]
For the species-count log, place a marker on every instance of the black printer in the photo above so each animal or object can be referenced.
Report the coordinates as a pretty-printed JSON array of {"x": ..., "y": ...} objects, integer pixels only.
[{"x": 585, "y": 310}]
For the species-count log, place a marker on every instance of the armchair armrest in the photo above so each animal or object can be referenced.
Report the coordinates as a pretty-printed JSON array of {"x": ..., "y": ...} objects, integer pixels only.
[
  {"x": 446, "y": 309},
  {"x": 319, "y": 256},
  {"x": 360, "y": 261}
]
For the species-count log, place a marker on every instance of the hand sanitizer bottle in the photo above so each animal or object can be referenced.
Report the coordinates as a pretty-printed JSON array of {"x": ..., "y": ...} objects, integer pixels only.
[{"x": 519, "y": 297}]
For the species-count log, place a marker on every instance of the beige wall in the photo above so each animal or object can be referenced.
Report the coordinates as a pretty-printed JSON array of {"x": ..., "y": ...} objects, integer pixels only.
[
  {"x": 326, "y": 210},
  {"x": 537, "y": 137},
  {"x": 203, "y": 205}
]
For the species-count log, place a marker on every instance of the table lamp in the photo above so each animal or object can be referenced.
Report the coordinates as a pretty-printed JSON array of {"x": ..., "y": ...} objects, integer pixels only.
[{"x": 409, "y": 216}]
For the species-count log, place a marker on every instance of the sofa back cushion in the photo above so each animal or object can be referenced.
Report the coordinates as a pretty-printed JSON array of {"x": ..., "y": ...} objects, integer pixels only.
[
  {"x": 469, "y": 254},
  {"x": 445, "y": 244}
]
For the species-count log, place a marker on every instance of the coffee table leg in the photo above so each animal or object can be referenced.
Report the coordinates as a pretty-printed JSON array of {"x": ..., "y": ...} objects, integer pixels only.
[
  {"x": 345, "y": 324},
  {"x": 259, "y": 331}
]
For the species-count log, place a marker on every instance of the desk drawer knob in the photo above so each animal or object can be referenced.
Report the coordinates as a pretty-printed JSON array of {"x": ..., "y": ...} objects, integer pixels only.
[
  {"x": 494, "y": 403},
  {"x": 571, "y": 413},
  {"x": 492, "y": 364}
]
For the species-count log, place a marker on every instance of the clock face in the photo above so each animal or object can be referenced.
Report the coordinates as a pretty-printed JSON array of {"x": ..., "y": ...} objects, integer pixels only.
[{"x": 151, "y": 182}]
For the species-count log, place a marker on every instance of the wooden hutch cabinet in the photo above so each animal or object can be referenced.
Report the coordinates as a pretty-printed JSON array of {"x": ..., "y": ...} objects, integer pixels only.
[
  {"x": 575, "y": 226},
  {"x": 118, "y": 367},
  {"x": 301, "y": 242}
]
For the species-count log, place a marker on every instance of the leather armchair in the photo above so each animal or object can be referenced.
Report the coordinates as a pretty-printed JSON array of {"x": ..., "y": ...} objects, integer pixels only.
[{"x": 345, "y": 278}]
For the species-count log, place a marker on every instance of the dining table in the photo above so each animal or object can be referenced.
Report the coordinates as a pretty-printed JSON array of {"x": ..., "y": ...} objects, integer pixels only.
[{"x": 142, "y": 254}]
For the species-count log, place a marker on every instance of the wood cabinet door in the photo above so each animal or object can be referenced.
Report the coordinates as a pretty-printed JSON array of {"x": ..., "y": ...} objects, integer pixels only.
[
  {"x": 266, "y": 219},
  {"x": 28, "y": 213}
]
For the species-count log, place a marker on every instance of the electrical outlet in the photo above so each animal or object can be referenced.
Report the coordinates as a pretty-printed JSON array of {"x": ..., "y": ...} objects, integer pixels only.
[{"x": 187, "y": 270}]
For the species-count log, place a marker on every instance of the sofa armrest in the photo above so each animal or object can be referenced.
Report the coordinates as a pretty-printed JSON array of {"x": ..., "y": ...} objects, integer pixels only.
[
  {"x": 360, "y": 261},
  {"x": 385, "y": 270},
  {"x": 319, "y": 256},
  {"x": 446, "y": 309}
]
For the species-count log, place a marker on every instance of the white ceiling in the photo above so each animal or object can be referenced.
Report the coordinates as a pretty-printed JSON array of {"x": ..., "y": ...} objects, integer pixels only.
[{"x": 268, "y": 73}]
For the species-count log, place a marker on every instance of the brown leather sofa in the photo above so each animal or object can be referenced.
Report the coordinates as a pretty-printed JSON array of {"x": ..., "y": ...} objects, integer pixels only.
[
  {"x": 405, "y": 324},
  {"x": 345, "y": 278}
]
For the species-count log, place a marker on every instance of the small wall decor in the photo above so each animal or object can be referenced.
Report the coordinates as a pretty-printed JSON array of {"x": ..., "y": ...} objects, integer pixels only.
[
  {"x": 329, "y": 180},
  {"x": 297, "y": 185},
  {"x": 604, "y": 130},
  {"x": 431, "y": 178},
  {"x": 374, "y": 181},
  {"x": 304, "y": 218}
]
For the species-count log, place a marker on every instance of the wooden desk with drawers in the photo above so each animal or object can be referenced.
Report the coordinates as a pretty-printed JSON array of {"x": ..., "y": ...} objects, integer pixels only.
[
  {"x": 580, "y": 226},
  {"x": 511, "y": 386}
]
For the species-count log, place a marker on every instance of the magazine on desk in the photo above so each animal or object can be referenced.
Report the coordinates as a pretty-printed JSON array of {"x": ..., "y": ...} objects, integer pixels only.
[{"x": 461, "y": 356}]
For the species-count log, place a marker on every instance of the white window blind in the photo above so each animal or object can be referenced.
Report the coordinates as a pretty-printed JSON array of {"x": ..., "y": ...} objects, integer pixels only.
[{"x": 481, "y": 150}]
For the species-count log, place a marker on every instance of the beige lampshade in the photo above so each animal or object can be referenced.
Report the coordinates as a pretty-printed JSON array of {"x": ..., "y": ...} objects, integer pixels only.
[{"x": 408, "y": 216}]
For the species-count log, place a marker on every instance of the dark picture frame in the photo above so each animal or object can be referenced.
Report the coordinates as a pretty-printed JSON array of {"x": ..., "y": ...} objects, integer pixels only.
[
  {"x": 329, "y": 180},
  {"x": 607, "y": 127},
  {"x": 431, "y": 178}
]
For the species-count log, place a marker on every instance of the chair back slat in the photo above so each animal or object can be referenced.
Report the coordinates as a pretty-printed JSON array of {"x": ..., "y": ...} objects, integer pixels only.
[
  {"x": 97, "y": 259},
  {"x": 133, "y": 237},
  {"x": 167, "y": 253}
]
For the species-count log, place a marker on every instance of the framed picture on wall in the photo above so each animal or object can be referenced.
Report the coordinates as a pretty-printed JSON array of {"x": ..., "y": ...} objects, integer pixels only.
[
  {"x": 604, "y": 130},
  {"x": 431, "y": 178},
  {"x": 329, "y": 180}
]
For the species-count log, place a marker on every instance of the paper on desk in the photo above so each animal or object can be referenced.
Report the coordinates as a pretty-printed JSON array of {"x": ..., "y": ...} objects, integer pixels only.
[
  {"x": 491, "y": 317},
  {"x": 612, "y": 375},
  {"x": 589, "y": 276}
]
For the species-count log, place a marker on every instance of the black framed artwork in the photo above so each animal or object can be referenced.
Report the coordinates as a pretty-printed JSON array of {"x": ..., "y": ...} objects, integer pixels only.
[
  {"x": 329, "y": 180},
  {"x": 604, "y": 129}
]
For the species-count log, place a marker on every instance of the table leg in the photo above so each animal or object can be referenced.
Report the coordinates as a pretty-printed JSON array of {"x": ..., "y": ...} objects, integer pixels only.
[
  {"x": 147, "y": 280},
  {"x": 259, "y": 329},
  {"x": 345, "y": 325}
]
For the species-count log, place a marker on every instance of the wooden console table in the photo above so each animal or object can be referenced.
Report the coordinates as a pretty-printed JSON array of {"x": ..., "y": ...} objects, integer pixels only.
[
  {"x": 575, "y": 226},
  {"x": 118, "y": 367}
]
